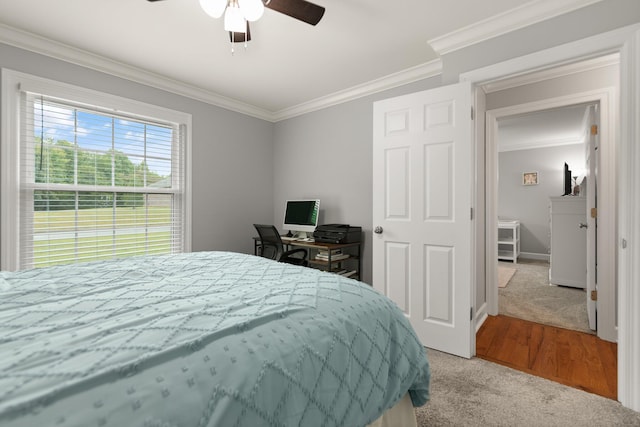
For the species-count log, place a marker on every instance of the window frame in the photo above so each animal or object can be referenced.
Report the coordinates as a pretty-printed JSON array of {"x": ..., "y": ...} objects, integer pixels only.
[{"x": 14, "y": 84}]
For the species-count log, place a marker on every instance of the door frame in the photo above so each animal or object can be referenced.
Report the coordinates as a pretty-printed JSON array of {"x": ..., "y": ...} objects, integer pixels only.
[
  {"x": 626, "y": 41},
  {"x": 606, "y": 97}
]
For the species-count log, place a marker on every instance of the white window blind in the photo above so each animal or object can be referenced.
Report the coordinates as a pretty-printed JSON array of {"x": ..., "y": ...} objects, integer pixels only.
[{"x": 96, "y": 183}]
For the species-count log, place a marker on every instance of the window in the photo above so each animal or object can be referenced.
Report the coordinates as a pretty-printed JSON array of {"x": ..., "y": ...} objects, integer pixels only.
[{"x": 93, "y": 176}]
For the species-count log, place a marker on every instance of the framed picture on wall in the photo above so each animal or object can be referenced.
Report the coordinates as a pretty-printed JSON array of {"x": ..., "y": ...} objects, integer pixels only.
[{"x": 530, "y": 178}]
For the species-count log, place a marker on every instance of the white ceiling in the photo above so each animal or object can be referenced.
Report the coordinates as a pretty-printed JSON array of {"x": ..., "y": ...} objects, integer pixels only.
[
  {"x": 173, "y": 44},
  {"x": 557, "y": 126}
]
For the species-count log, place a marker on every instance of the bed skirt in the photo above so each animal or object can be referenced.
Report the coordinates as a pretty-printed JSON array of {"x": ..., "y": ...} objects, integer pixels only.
[{"x": 401, "y": 414}]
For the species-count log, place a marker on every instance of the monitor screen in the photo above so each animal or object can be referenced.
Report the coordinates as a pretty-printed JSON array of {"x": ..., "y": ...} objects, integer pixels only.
[
  {"x": 301, "y": 215},
  {"x": 567, "y": 180}
]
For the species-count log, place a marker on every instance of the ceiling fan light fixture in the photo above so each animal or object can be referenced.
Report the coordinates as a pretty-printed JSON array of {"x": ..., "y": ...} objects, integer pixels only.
[
  {"x": 213, "y": 8},
  {"x": 252, "y": 10},
  {"x": 234, "y": 20}
]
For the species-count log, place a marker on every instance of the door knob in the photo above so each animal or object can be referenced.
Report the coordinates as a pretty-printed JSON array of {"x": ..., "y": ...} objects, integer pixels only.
[
  {"x": 377, "y": 230},
  {"x": 582, "y": 225}
]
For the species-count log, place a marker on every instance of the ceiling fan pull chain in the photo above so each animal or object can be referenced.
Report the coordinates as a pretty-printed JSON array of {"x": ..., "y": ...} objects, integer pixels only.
[{"x": 233, "y": 39}]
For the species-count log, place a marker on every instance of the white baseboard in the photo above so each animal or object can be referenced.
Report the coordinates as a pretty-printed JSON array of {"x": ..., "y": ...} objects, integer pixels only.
[
  {"x": 480, "y": 320},
  {"x": 532, "y": 255},
  {"x": 481, "y": 315}
]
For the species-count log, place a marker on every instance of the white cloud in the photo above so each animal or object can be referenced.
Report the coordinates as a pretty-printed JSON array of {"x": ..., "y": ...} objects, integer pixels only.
[
  {"x": 82, "y": 131},
  {"x": 134, "y": 136}
]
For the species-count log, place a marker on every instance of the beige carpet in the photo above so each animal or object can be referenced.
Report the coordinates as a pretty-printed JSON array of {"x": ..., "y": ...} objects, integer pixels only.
[
  {"x": 530, "y": 297},
  {"x": 504, "y": 275},
  {"x": 480, "y": 393}
]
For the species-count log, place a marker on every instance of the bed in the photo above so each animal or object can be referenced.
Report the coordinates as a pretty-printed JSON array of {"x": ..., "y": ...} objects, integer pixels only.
[{"x": 201, "y": 339}]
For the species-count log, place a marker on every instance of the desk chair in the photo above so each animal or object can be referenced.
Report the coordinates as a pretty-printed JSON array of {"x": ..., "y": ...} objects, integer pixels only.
[{"x": 271, "y": 246}]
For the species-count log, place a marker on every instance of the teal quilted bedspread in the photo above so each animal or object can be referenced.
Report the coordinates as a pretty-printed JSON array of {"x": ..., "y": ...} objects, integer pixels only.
[{"x": 201, "y": 339}]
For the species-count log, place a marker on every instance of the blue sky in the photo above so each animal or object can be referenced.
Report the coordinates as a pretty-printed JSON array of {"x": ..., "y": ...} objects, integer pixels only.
[{"x": 99, "y": 133}]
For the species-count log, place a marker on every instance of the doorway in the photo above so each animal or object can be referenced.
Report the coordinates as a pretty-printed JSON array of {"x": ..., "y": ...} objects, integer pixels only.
[
  {"x": 517, "y": 101},
  {"x": 596, "y": 81},
  {"x": 626, "y": 42},
  {"x": 534, "y": 221}
]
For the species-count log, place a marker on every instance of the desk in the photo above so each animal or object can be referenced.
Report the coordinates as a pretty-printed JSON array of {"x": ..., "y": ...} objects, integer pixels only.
[{"x": 350, "y": 266}]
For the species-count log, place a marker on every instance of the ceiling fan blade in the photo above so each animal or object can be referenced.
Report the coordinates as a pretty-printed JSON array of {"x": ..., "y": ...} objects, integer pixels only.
[
  {"x": 301, "y": 10},
  {"x": 240, "y": 37}
]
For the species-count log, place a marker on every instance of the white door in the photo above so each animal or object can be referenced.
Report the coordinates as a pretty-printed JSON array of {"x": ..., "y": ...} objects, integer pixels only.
[
  {"x": 592, "y": 191},
  {"x": 422, "y": 169}
]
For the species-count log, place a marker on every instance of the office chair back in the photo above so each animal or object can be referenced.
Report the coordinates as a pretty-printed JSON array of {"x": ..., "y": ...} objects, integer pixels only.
[{"x": 271, "y": 246}]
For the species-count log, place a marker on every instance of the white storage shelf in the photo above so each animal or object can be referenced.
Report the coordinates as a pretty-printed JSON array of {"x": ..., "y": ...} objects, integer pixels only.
[{"x": 509, "y": 240}]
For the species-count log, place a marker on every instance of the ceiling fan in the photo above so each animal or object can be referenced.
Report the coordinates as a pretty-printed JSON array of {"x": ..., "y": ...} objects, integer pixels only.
[{"x": 238, "y": 13}]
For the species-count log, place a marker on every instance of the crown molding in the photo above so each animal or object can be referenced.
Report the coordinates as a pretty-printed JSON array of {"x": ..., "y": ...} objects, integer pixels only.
[
  {"x": 510, "y": 20},
  {"x": 545, "y": 143},
  {"x": 44, "y": 46},
  {"x": 410, "y": 75}
]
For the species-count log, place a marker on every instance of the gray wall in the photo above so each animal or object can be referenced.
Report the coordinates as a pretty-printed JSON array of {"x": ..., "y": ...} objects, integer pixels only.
[
  {"x": 343, "y": 133},
  {"x": 530, "y": 203},
  {"x": 597, "y": 18},
  {"x": 327, "y": 154},
  {"x": 244, "y": 168},
  {"x": 599, "y": 78},
  {"x": 232, "y": 153}
]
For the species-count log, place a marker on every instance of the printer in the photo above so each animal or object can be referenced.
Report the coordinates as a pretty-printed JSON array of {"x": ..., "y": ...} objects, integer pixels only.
[{"x": 337, "y": 233}]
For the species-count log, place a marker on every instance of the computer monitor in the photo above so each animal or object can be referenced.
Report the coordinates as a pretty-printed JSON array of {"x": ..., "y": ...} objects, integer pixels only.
[
  {"x": 567, "y": 181},
  {"x": 301, "y": 216}
]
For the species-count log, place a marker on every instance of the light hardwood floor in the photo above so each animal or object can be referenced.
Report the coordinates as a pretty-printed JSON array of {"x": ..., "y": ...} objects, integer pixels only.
[{"x": 573, "y": 358}]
